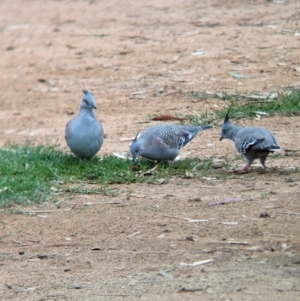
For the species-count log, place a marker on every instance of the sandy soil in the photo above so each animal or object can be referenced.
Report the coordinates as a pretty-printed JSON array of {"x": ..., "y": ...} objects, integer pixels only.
[{"x": 133, "y": 245}]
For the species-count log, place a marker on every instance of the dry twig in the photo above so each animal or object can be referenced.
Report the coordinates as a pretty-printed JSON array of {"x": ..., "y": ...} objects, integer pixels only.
[{"x": 188, "y": 219}]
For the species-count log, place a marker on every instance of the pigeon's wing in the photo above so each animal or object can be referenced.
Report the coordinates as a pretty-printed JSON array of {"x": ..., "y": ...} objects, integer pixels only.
[
  {"x": 258, "y": 138},
  {"x": 175, "y": 136},
  {"x": 68, "y": 131},
  {"x": 100, "y": 128}
]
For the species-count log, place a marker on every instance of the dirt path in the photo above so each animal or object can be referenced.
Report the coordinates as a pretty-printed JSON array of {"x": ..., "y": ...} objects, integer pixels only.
[{"x": 141, "y": 60}]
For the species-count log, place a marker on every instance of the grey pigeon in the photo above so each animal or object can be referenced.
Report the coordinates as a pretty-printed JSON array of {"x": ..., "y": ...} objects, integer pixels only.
[
  {"x": 252, "y": 142},
  {"x": 163, "y": 142},
  {"x": 84, "y": 133}
]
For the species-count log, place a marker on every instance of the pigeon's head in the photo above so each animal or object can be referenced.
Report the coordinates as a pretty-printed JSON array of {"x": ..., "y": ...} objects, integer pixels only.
[
  {"x": 226, "y": 128},
  {"x": 88, "y": 101},
  {"x": 136, "y": 147}
]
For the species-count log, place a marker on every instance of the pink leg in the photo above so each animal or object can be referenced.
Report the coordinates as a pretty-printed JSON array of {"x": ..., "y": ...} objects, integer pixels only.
[
  {"x": 243, "y": 170},
  {"x": 246, "y": 168}
]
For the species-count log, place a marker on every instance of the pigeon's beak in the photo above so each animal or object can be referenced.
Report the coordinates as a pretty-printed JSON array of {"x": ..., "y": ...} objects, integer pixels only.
[
  {"x": 221, "y": 138},
  {"x": 94, "y": 107}
]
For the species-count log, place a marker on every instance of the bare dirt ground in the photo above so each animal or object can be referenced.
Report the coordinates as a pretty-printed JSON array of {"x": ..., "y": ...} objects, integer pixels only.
[{"x": 118, "y": 248}]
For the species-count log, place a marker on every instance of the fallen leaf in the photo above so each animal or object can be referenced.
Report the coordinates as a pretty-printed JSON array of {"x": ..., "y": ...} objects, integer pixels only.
[
  {"x": 260, "y": 113},
  {"x": 134, "y": 234},
  {"x": 196, "y": 263},
  {"x": 124, "y": 52},
  {"x": 226, "y": 201},
  {"x": 160, "y": 181},
  {"x": 149, "y": 171},
  {"x": 232, "y": 242},
  {"x": 190, "y": 290},
  {"x": 207, "y": 24},
  {"x": 255, "y": 249},
  {"x": 30, "y": 289},
  {"x": 167, "y": 117},
  {"x": 237, "y": 75},
  {"x": 229, "y": 223},
  {"x": 198, "y": 52},
  {"x": 165, "y": 274},
  {"x": 121, "y": 155},
  {"x": 42, "y": 80},
  {"x": 138, "y": 92},
  {"x": 96, "y": 249},
  {"x": 42, "y": 216},
  {"x": 134, "y": 168}
]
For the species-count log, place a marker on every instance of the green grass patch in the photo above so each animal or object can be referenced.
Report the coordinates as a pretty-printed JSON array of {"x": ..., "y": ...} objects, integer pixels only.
[
  {"x": 248, "y": 105},
  {"x": 32, "y": 174},
  {"x": 199, "y": 119}
]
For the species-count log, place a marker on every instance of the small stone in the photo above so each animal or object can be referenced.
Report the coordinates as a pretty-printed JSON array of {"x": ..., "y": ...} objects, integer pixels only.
[
  {"x": 255, "y": 249},
  {"x": 264, "y": 215},
  {"x": 96, "y": 249},
  {"x": 288, "y": 180},
  {"x": 194, "y": 200},
  {"x": 190, "y": 238},
  {"x": 30, "y": 289},
  {"x": 208, "y": 251}
]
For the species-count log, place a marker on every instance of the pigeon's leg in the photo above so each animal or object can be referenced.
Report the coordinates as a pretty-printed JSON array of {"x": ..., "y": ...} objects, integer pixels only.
[
  {"x": 243, "y": 170},
  {"x": 263, "y": 160},
  {"x": 246, "y": 167}
]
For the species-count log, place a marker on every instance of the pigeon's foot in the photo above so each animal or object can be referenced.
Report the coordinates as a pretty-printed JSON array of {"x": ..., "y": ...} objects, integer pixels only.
[{"x": 242, "y": 170}]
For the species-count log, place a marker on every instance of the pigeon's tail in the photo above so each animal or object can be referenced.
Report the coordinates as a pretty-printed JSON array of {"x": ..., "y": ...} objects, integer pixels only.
[
  {"x": 274, "y": 149},
  {"x": 204, "y": 127}
]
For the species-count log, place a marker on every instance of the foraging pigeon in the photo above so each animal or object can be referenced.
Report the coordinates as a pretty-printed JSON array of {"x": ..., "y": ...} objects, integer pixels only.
[
  {"x": 84, "y": 133},
  {"x": 163, "y": 142},
  {"x": 252, "y": 142}
]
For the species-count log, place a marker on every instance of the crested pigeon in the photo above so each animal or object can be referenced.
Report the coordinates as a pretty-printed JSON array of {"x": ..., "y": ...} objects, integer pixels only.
[
  {"x": 163, "y": 142},
  {"x": 252, "y": 142},
  {"x": 84, "y": 133}
]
